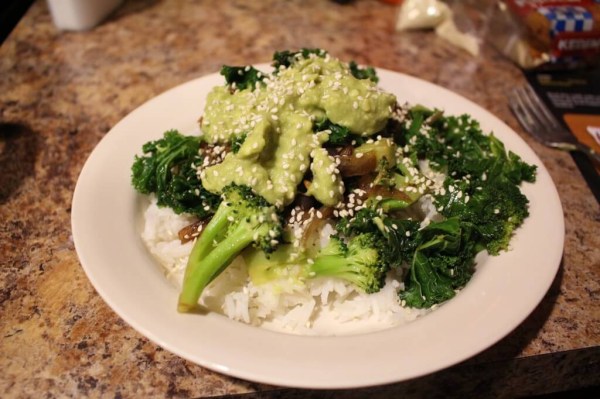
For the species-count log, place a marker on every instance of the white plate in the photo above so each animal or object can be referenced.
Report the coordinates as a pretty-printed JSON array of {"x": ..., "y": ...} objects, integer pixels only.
[{"x": 502, "y": 293}]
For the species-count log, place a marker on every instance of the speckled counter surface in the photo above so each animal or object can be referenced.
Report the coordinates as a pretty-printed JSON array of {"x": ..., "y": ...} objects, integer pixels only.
[{"x": 61, "y": 92}]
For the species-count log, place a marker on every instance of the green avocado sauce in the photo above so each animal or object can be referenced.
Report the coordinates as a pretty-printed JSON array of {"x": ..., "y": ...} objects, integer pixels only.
[{"x": 277, "y": 119}]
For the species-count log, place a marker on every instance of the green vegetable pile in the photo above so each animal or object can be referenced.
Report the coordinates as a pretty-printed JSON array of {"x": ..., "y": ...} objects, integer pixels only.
[{"x": 386, "y": 183}]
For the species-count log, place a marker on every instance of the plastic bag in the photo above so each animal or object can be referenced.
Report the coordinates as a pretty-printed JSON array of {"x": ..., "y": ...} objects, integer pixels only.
[
  {"x": 547, "y": 33},
  {"x": 434, "y": 14}
]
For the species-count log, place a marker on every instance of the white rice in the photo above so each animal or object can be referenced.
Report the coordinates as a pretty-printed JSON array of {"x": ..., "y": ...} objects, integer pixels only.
[{"x": 318, "y": 307}]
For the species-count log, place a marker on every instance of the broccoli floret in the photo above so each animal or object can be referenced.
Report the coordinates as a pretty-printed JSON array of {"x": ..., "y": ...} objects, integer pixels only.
[
  {"x": 359, "y": 262},
  {"x": 362, "y": 261},
  {"x": 243, "y": 218},
  {"x": 242, "y": 77},
  {"x": 394, "y": 235},
  {"x": 264, "y": 267},
  {"x": 168, "y": 168}
]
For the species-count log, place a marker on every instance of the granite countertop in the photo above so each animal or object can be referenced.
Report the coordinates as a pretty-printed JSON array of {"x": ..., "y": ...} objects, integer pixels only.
[{"x": 61, "y": 92}]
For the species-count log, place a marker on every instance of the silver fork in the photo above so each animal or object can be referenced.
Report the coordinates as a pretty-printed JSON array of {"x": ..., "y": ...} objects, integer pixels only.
[{"x": 541, "y": 124}]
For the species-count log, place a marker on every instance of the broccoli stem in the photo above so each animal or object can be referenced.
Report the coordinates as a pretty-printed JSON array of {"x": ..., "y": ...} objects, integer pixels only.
[
  {"x": 241, "y": 219},
  {"x": 202, "y": 270},
  {"x": 332, "y": 265},
  {"x": 344, "y": 268},
  {"x": 205, "y": 244}
]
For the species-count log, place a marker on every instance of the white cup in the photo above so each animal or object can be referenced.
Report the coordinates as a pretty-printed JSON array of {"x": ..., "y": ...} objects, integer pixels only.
[{"x": 80, "y": 14}]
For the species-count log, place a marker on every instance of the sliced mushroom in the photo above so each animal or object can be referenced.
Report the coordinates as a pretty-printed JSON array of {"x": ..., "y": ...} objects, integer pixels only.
[
  {"x": 357, "y": 164},
  {"x": 191, "y": 231},
  {"x": 311, "y": 235}
]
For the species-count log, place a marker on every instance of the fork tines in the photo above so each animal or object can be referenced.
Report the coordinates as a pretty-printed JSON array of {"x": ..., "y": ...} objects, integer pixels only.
[{"x": 537, "y": 117}]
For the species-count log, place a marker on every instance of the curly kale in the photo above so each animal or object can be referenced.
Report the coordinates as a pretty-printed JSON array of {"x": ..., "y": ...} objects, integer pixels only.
[
  {"x": 338, "y": 135},
  {"x": 242, "y": 77},
  {"x": 286, "y": 58},
  {"x": 483, "y": 180},
  {"x": 168, "y": 168},
  {"x": 393, "y": 234},
  {"x": 363, "y": 72}
]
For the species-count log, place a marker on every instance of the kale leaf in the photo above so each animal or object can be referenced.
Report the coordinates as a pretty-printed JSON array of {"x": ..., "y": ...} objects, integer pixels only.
[
  {"x": 442, "y": 263},
  {"x": 237, "y": 141},
  {"x": 168, "y": 168},
  {"x": 483, "y": 180},
  {"x": 338, "y": 135},
  {"x": 363, "y": 73},
  {"x": 286, "y": 58},
  {"x": 242, "y": 77}
]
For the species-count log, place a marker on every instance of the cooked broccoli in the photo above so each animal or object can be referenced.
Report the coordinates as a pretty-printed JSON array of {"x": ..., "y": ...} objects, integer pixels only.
[
  {"x": 242, "y": 77},
  {"x": 264, "y": 267},
  {"x": 394, "y": 234},
  {"x": 361, "y": 262},
  {"x": 168, "y": 168},
  {"x": 440, "y": 257},
  {"x": 243, "y": 218}
]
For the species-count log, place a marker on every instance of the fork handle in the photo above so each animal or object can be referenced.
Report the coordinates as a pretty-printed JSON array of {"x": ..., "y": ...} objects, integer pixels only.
[
  {"x": 577, "y": 146},
  {"x": 588, "y": 151}
]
